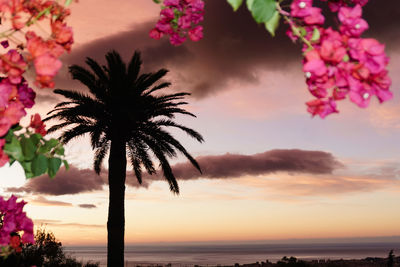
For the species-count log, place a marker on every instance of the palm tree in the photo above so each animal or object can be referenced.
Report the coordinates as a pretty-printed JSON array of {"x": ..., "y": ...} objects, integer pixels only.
[{"x": 127, "y": 115}]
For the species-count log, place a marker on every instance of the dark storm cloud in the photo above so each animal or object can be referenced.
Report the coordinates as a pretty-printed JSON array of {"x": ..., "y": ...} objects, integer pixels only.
[
  {"x": 73, "y": 181},
  {"x": 234, "y": 48},
  {"x": 87, "y": 206},
  {"x": 279, "y": 160},
  {"x": 225, "y": 166}
]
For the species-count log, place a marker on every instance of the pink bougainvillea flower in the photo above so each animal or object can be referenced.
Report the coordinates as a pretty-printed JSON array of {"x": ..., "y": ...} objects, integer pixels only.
[
  {"x": 352, "y": 23},
  {"x": 315, "y": 17},
  {"x": 176, "y": 39},
  {"x": 5, "y": 125},
  {"x": 5, "y": 92},
  {"x": 196, "y": 34},
  {"x": 179, "y": 19},
  {"x": 47, "y": 65},
  {"x": 14, "y": 112},
  {"x": 13, "y": 65},
  {"x": 155, "y": 34},
  {"x": 14, "y": 221},
  {"x": 321, "y": 107},
  {"x": 167, "y": 14},
  {"x": 26, "y": 95},
  {"x": 4, "y": 44},
  {"x": 173, "y": 3},
  {"x": 3, "y": 156},
  {"x": 63, "y": 34},
  {"x": 369, "y": 52},
  {"x": 301, "y": 8}
]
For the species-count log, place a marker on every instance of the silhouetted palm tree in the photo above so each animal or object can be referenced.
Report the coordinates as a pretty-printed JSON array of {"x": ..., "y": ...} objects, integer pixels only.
[{"x": 126, "y": 114}]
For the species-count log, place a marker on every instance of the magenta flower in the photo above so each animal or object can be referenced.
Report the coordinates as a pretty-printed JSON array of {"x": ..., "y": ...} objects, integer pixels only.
[
  {"x": 301, "y": 8},
  {"x": 26, "y": 95},
  {"x": 155, "y": 34},
  {"x": 196, "y": 34},
  {"x": 5, "y": 92},
  {"x": 167, "y": 14},
  {"x": 315, "y": 17},
  {"x": 14, "y": 112},
  {"x": 321, "y": 107},
  {"x": 173, "y": 3},
  {"x": 14, "y": 221},
  {"x": 5, "y": 125},
  {"x": 179, "y": 19},
  {"x": 352, "y": 23},
  {"x": 176, "y": 39}
]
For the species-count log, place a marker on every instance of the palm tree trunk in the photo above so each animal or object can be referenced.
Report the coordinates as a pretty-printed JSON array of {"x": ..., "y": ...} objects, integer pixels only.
[{"x": 116, "y": 208}]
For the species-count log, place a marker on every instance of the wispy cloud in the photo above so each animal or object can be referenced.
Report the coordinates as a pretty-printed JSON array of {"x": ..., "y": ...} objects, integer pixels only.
[
  {"x": 42, "y": 201},
  {"x": 87, "y": 206},
  {"x": 58, "y": 223}
]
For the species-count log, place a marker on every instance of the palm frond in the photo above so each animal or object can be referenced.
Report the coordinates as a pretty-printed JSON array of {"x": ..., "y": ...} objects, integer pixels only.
[
  {"x": 75, "y": 132},
  {"x": 100, "y": 154},
  {"x": 134, "y": 67}
]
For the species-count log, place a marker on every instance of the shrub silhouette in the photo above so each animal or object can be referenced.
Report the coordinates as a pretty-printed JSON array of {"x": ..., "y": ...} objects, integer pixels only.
[{"x": 46, "y": 252}]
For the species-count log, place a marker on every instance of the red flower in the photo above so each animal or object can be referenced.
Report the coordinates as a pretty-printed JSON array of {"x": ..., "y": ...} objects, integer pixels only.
[
  {"x": 38, "y": 125},
  {"x": 15, "y": 243}
]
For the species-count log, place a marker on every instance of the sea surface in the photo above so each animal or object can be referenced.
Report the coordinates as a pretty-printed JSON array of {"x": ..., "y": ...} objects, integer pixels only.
[{"x": 190, "y": 255}]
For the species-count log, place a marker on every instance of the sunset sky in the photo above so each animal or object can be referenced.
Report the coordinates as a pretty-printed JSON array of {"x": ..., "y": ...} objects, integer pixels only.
[{"x": 271, "y": 172}]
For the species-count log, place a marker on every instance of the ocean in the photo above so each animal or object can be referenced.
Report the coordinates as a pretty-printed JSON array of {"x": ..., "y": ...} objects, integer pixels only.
[{"x": 190, "y": 255}]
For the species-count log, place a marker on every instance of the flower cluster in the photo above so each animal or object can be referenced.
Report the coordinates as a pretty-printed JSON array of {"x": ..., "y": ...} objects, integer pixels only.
[
  {"x": 43, "y": 53},
  {"x": 179, "y": 19},
  {"x": 15, "y": 97},
  {"x": 339, "y": 63},
  {"x": 13, "y": 221}
]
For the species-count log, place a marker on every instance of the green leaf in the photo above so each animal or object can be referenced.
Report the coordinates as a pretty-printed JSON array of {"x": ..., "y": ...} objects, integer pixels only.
[
  {"x": 27, "y": 165},
  {"x": 60, "y": 151},
  {"x": 14, "y": 150},
  {"x": 16, "y": 127},
  {"x": 315, "y": 35},
  {"x": 263, "y": 10},
  {"x": 249, "y": 4},
  {"x": 66, "y": 164},
  {"x": 48, "y": 145},
  {"x": 235, "y": 4},
  {"x": 28, "y": 148},
  {"x": 35, "y": 138},
  {"x": 302, "y": 31},
  {"x": 39, "y": 165},
  {"x": 52, "y": 143},
  {"x": 67, "y": 3},
  {"x": 272, "y": 24},
  {"x": 54, "y": 166},
  {"x": 9, "y": 135}
]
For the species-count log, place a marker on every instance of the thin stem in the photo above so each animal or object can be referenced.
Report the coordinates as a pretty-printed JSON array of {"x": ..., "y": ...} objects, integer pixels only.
[
  {"x": 295, "y": 29},
  {"x": 41, "y": 13}
]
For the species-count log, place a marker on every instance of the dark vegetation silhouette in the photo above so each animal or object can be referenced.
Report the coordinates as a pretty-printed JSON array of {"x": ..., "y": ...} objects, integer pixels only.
[
  {"x": 390, "y": 259},
  {"x": 46, "y": 252},
  {"x": 126, "y": 114}
]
